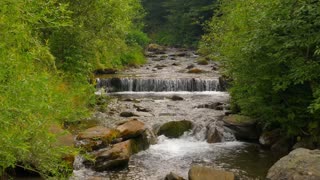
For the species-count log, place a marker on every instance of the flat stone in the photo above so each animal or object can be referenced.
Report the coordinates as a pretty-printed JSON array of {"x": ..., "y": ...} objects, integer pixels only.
[
  {"x": 131, "y": 128},
  {"x": 96, "y": 137}
]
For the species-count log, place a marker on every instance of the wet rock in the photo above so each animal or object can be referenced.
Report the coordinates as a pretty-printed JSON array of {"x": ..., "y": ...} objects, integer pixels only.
[
  {"x": 202, "y": 62},
  {"x": 214, "y": 133},
  {"x": 244, "y": 128},
  {"x": 158, "y": 66},
  {"x": 141, "y": 109},
  {"x": 190, "y": 66},
  {"x": 115, "y": 157},
  {"x": 131, "y": 128},
  {"x": 175, "y": 129},
  {"x": 173, "y": 176},
  {"x": 300, "y": 164},
  {"x": 127, "y": 114},
  {"x": 214, "y": 68},
  {"x": 143, "y": 141},
  {"x": 268, "y": 138},
  {"x": 96, "y": 137},
  {"x": 175, "y": 64},
  {"x": 156, "y": 48},
  {"x": 281, "y": 147},
  {"x": 176, "y": 98},
  {"x": 196, "y": 71},
  {"x": 216, "y": 106},
  {"x": 181, "y": 54},
  {"x": 143, "y": 114},
  {"x": 206, "y": 173}
]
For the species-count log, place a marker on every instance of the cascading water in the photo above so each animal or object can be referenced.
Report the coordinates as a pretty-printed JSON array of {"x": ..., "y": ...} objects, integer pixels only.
[
  {"x": 158, "y": 85},
  {"x": 150, "y": 89}
]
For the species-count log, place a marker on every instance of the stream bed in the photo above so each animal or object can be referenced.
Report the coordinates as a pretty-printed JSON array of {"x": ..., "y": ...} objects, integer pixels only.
[{"x": 151, "y": 88}]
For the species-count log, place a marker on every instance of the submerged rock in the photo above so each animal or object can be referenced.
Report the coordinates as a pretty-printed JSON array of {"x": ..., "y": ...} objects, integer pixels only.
[
  {"x": 244, "y": 127},
  {"x": 300, "y": 164},
  {"x": 130, "y": 129},
  {"x": 176, "y": 98},
  {"x": 206, "y": 173},
  {"x": 175, "y": 129},
  {"x": 96, "y": 137},
  {"x": 127, "y": 114},
  {"x": 173, "y": 176}
]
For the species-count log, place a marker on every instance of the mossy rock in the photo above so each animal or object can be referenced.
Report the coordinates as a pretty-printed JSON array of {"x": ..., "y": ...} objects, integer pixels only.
[
  {"x": 239, "y": 120},
  {"x": 202, "y": 62},
  {"x": 175, "y": 129}
]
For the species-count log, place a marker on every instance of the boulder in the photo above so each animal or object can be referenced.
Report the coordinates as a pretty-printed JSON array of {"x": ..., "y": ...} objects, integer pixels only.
[
  {"x": 214, "y": 133},
  {"x": 202, "y": 62},
  {"x": 130, "y": 129},
  {"x": 206, "y": 173},
  {"x": 300, "y": 164},
  {"x": 156, "y": 48},
  {"x": 268, "y": 138},
  {"x": 96, "y": 137},
  {"x": 175, "y": 129},
  {"x": 244, "y": 127},
  {"x": 115, "y": 157},
  {"x": 143, "y": 141},
  {"x": 176, "y": 98},
  {"x": 127, "y": 114},
  {"x": 173, "y": 176}
]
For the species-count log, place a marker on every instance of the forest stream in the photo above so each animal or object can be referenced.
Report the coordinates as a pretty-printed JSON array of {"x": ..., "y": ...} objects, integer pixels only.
[{"x": 202, "y": 99}]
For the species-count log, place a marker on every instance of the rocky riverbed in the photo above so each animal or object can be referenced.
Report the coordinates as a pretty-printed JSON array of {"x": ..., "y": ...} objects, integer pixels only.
[{"x": 177, "y": 103}]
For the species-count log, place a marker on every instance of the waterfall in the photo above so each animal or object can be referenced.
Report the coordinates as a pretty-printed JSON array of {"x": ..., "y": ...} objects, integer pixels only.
[{"x": 158, "y": 85}]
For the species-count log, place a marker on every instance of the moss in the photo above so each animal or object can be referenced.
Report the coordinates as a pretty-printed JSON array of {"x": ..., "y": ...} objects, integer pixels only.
[
  {"x": 202, "y": 62},
  {"x": 175, "y": 129}
]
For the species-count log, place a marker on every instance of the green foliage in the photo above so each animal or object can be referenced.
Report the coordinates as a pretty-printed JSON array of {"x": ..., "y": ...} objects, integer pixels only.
[
  {"x": 177, "y": 22},
  {"x": 99, "y": 35},
  {"x": 47, "y": 50},
  {"x": 271, "y": 51}
]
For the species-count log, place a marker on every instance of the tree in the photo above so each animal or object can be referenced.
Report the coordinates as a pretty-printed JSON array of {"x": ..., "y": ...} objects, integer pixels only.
[{"x": 271, "y": 51}]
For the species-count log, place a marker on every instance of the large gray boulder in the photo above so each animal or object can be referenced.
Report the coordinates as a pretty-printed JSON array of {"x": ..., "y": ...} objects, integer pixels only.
[{"x": 300, "y": 164}]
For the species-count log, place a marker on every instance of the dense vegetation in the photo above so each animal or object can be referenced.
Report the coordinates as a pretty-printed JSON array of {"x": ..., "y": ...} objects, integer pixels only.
[
  {"x": 48, "y": 51},
  {"x": 177, "y": 22},
  {"x": 271, "y": 51}
]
